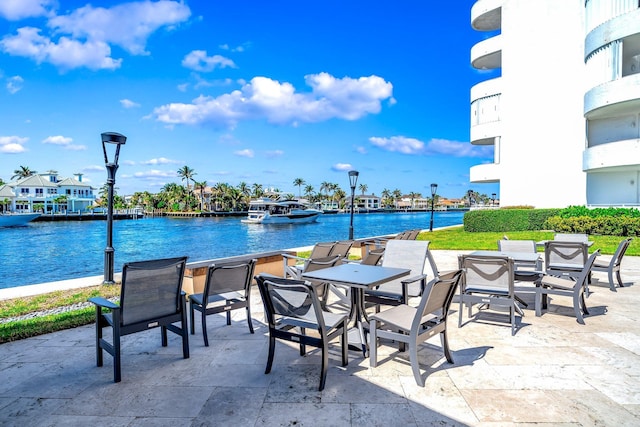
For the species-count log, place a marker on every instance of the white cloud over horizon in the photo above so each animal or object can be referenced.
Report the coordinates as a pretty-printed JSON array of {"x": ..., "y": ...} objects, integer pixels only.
[
  {"x": 83, "y": 38},
  {"x": 64, "y": 142},
  {"x": 12, "y": 144},
  {"x": 413, "y": 146},
  {"x": 280, "y": 103},
  {"x": 198, "y": 60}
]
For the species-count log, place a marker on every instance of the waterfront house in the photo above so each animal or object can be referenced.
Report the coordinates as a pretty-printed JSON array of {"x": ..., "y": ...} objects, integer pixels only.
[
  {"x": 364, "y": 203},
  {"x": 47, "y": 193},
  {"x": 559, "y": 101}
]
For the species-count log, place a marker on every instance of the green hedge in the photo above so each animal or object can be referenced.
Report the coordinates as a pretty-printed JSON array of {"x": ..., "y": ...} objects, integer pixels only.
[
  {"x": 574, "y": 219},
  {"x": 502, "y": 220}
]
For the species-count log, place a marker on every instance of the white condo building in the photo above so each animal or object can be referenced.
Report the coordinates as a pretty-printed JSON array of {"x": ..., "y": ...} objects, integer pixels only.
[{"x": 562, "y": 104}]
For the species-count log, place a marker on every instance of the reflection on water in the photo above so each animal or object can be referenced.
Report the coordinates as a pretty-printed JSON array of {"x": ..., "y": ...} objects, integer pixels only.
[{"x": 50, "y": 251}]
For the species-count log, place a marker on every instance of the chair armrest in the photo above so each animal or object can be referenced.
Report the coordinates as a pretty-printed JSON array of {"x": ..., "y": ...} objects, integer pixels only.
[
  {"x": 103, "y": 302},
  {"x": 289, "y": 256},
  {"x": 414, "y": 279}
]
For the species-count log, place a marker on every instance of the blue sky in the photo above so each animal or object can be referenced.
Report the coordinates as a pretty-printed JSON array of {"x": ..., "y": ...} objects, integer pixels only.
[{"x": 242, "y": 91}]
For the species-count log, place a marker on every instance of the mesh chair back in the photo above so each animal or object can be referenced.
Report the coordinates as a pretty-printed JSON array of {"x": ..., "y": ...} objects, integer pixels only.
[
  {"x": 622, "y": 249},
  {"x": 411, "y": 254},
  {"x": 373, "y": 257},
  {"x": 516, "y": 245},
  {"x": 565, "y": 254},
  {"x": 341, "y": 248},
  {"x": 321, "y": 250},
  {"x": 226, "y": 278},
  {"x": 440, "y": 295},
  {"x": 490, "y": 275},
  {"x": 290, "y": 302},
  {"x": 151, "y": 289},
  {"x": 320, "y": 263}
]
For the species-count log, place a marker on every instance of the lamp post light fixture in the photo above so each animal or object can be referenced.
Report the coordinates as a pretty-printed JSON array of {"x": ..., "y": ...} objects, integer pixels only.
[
  {"x": 110, "y": 139},
  {"x": 353, "y": 180},
  {"x": 493, "y": 199},
  {"x": 434, "y": 188}
]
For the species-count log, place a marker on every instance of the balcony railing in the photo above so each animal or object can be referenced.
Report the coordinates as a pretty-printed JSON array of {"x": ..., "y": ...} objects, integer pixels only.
[
  {"x": 485, "y": 110},
  {"x": 600, "y": 11}
]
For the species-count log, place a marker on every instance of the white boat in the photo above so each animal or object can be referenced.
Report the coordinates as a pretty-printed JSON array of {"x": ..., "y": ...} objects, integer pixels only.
[
  {"x": 16, "y": 219},
  {"x": 268, "y": 211}
]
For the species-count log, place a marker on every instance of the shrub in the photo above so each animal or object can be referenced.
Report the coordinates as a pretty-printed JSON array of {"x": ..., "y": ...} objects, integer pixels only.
[{"x": 502, "y": 220}]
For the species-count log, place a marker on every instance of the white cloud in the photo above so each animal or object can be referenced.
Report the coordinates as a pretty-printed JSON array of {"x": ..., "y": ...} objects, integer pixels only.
[
  {"x": 244, "y": 153},
  {"x": 160, "y": 161},
  {"x": 264, "y": 98},
  {"x": 341, "y": 167},
  {"x": 14, "y": 10},
  {"x": 240, "y": 48},
  {"x": 199, "y": 61},
  {"x": 83, "y": 38},
  {"x": 361, "y": 150},
  {"x": 65, "y": 54},
  {"x": 93, "y": 168},
  {"x": 64, "y": 142},
  {"x": 14, "y": 84},
  {"x": 127, "y": 25},
  {"x": 405, "y": 145},
  {"x": 154, "y": 174},
  {"x": 127, "y": 103},
  {"x": 399, "y": 144},
  {"x": 274, "y": 153},
  {"x": 12, "y": 144}
]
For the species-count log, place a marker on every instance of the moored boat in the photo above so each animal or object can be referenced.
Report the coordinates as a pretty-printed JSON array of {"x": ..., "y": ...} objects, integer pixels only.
[
  {"x": 268, "y": 211},
  {"x": 16, "y": 219}
]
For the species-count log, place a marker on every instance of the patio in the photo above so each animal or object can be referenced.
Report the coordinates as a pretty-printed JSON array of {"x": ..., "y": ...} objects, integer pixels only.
[{"x": 553, "y": 371}]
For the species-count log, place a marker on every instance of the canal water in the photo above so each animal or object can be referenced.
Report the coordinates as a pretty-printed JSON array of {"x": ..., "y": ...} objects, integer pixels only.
[{"x": 50, "y": 251}]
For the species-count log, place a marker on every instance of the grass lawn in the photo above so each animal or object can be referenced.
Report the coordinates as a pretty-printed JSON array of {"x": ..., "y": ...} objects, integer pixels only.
[{"x": 454, "y": 238}]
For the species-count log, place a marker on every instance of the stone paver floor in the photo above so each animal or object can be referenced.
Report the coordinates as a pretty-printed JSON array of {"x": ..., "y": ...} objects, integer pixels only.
[{"x": 554, "y": 371}]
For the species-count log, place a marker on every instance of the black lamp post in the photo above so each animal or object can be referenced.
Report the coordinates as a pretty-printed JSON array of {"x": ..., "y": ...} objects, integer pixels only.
[
  {"x": 434, "y": 188},
  {"x": 493, "y": 199},
  {"x": 112, "y": 166},
  {"x": 353, "y": 180}
]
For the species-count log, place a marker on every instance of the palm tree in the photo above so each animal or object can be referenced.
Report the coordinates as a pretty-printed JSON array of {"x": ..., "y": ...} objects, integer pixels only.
[
  {"x": 299, "y": 182},
  {"x": 363, "y": 188},
  {"x": 200, "y": 186},
  {"x": 386, "y": 197},
  {"x": 186, "y": 174},
  {"x": 397, "y": 195},
  {"x": 414, "y": 196},
  {"x": 257, "y": 190},
  {"x": 325, "y": 186},
  {"x": 23, "y": 172}
]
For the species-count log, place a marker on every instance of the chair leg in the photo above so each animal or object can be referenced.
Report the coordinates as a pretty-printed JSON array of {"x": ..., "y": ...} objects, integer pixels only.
[
  {"x": 303, "y": 348},
  {"x": 117, "y": 368},
  {"x": 538, "y": 302},
  {"x": 191, "y": 318},
  {"x": 445, "y": 345},
  {"x": 184, "y": 332},
  {"x": 373, "y": 344},
  {"x": 512, "y": 314},
  {"x": 345, "y": 343},
  {"x": 163, "y": 334},
  {"x": 325, "y": 363},
  {"x": 460, "y": 312},
  {"x": 415, "y": 366},
  {"x": 249, "y": 320},
  {"x": 619, "y": 280},
  {"x": 99, "y": 359},
  {"x": 272, "y": 347},
  {"x": 228, "y": 317},
  {"x": 204, "y": 327},
  {"x": 577, "y": 297}
]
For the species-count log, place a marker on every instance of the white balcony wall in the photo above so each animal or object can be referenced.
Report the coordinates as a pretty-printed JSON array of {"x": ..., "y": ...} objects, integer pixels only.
[
  {"x": 485, "y": 110},
  {"x": 612, "y": 129},
  {"x": 604, "y": 65},
  {"x": 600, "y": 11},
  {"x": 613, "y": 188},
  {"x": 619, "y": 155}
]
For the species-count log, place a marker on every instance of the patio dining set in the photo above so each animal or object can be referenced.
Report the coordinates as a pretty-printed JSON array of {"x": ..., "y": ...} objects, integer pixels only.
[{"x": 383, "y": 299}]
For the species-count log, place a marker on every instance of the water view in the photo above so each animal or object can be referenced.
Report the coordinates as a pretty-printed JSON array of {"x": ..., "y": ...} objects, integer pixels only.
[{"x": 50, "y": 251}]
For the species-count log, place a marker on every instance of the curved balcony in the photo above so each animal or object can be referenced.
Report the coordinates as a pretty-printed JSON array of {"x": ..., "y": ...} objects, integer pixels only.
[
  {"x": 486, "y": 15},
  {"x": 612, "y": 98},
  {"x": 486, "y": 133},
  {"x": 612, "y": 155},
  {"x": 486, "y": 88},
  {"x": 488, "y": 173},
  {"x": 617, "y": 28},
  {"x": 487, "y": 55}
]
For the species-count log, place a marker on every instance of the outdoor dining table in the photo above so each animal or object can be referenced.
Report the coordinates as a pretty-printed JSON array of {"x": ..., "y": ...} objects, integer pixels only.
[{"x": 358, "y": 277}]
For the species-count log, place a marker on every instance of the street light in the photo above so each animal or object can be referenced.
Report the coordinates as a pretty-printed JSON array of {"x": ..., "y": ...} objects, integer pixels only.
[
  {"x": 493, "y": 199},
  {"x": 434, "y": 188},
  {"x": 112, "y": 166},
  {"x": 353, "y": 180}
]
